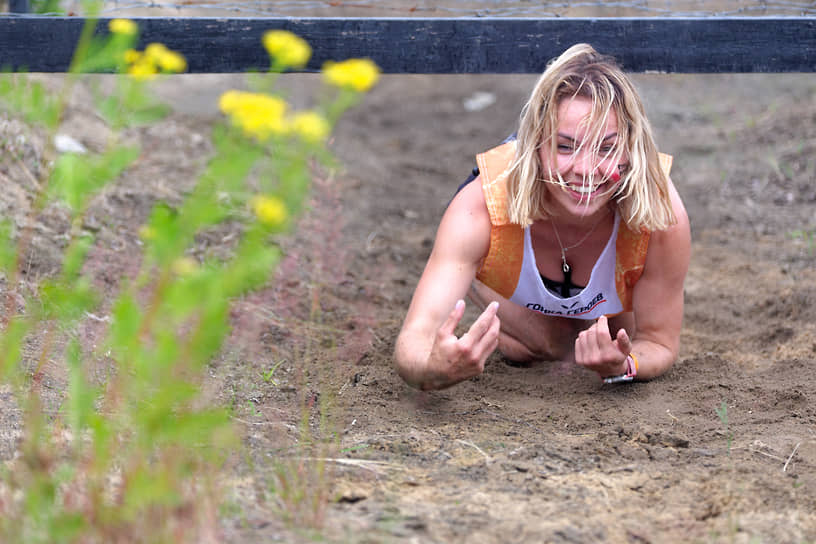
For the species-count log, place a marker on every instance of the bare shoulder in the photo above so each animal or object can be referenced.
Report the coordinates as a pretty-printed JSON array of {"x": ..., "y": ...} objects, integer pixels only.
[
  {"x": 678, "y": 207},
  {"x": 681, "y": 230},
  {"x": 470, "y": 199},
  {"x": 670, "y": 249},
  {"x": 465, "y": 226}
]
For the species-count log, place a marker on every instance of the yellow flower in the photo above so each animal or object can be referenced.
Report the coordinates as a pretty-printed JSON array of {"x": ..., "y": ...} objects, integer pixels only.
[
  {"x": 229, "y": 101},
  {"x": 155, "y": 58},
  {"x": 172, "y": 62},
  {"x": 142, "y": 70},
  {"x": 184, "y": 266},
  {"x": 147, "y": 233},
  {"x": 289, "y": 50},
  {"x": 269, "y": 210},
  {"x": 356, "y": 74},
  {"x": 155, "y": 50},
  {"x": 165, "y": 59},
  {"x": 123, "y": 26},
  {"x": 132, "y": 56},
  {"x": 258, "y": 115},
  {"x": 311, "y": 126}
]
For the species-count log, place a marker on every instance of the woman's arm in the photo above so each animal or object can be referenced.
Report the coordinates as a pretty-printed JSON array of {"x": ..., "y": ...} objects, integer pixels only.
[
  {"x": 657, "y": 307},
  {"x": 427, "y": 353},
  {"x": 658, "y": 295}
]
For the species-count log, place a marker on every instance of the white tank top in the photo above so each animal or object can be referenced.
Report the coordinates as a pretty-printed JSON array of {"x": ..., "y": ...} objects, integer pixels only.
[{"x": 599, "y": 297}]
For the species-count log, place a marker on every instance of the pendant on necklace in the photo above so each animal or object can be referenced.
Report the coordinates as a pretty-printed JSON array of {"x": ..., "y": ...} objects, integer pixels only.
[{"x": 565, "y": 286}]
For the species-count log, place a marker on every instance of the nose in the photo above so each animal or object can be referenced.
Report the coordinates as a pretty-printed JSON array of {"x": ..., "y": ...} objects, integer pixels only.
[{"x": 584, "y": 163}]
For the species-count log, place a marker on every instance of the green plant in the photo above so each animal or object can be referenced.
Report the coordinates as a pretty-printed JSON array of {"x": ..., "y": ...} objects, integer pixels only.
[
  {"x": 46, "y": 7},
  {"x": 130, "y": 456},
  {"x": 722, "y": 413},
  {"x": 269, "y": 375},
  {"x": 300, "y": 484},
  {"x": 807, "y": 236}
]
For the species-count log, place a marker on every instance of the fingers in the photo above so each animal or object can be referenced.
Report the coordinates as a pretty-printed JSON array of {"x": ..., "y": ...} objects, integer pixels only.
[
  {"x": 623, "y": 341},
  {"x": 458, "y": 359},
  {"x": 592, "y": 342},
  {"x": 596, "y": 350},
  {"x": 480, "y": 327},
  {"x": 482, "y": 337},
  {"x": 602, "y": 328},
  {"x": 490, "y": 341},
  {"x": 484, "y": 333},
  {"x": 449, "y": 325}
]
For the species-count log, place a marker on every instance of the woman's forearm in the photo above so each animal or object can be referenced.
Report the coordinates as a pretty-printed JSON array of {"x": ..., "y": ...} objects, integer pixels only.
[
  {"x": 411, "y": 359},
  {"x": 654, "y": 359}
]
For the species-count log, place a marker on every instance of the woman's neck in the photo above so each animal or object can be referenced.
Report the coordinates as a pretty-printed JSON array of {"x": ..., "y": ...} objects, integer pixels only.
[{"x": 581, "y": 223}]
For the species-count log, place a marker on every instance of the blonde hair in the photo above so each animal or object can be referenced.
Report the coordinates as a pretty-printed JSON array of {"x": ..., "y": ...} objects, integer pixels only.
[{"x": 642, "y": 197}]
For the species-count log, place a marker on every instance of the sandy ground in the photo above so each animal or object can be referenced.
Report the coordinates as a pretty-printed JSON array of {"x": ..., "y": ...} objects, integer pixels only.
[
  {"x": 541, "y": 454},
  {"x": 547, "y": 453}
]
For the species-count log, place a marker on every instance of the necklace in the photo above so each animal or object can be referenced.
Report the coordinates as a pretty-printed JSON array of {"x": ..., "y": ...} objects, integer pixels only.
[{"x": 565, "y": 267}]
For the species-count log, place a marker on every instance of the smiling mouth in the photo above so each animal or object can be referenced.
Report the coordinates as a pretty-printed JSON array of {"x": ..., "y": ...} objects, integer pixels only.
[{"x": 586, "y": 189}]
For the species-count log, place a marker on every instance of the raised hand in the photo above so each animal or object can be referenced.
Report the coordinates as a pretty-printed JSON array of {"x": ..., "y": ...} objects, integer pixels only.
[
  {"x": 453, "y": 359},
  {"x": 596, "y": 350}
]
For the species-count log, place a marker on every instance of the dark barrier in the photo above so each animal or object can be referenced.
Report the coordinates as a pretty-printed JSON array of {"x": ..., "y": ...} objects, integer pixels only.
[{"x": 453, "y": 45}]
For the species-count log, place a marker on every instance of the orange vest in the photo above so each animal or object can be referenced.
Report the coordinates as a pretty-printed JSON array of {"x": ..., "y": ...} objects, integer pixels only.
[{"x": 501, "y": 267}]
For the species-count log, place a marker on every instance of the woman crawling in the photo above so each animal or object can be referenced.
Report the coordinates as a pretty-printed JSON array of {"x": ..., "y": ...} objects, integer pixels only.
[{"x": 571, "y": 238}]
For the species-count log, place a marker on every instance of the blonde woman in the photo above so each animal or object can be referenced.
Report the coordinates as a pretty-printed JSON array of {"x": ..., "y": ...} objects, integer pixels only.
[{"x": 571, "y": 238}]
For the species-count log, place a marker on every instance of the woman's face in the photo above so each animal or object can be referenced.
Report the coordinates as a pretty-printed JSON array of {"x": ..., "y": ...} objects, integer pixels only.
[{"x": 576, "y": 161}]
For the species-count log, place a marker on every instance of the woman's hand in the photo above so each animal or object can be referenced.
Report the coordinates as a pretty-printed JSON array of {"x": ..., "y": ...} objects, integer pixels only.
[
  {"x": 453, "y": 359},
  {"x": 596, "y": 350}
]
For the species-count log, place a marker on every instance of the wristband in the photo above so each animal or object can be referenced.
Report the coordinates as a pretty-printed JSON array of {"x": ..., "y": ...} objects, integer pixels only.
[{"x": 631, "y": 371}]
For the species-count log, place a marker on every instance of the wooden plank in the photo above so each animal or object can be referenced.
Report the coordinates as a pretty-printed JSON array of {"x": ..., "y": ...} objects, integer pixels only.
[
  {"x": 18, "y": 6},
  {"x": 447, "y": 45}
]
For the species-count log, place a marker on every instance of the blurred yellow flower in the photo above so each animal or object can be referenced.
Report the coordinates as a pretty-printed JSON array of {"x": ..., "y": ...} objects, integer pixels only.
[
  {"x": 356, "y": 74},
  {"x": 132, "y": 56},
  {"x": 269, "y": 210},
  {"x": 155, "y": 58},
  {"x": 258, "y": 115},
  {"x": 229, "y": 101},
  {"x": 310, "y": 125},
  {"x": 155, "y": 50},
  {"x": 172, "y": 62},
  {"x": 147, "y": 233},
  {"x": 123, "y": 26},
  {"x": 142, "y": 70},
  {"x": 289, "y": 50},
  {"x": 184, "y": 266},
  {"x": 165, "y": 59}
]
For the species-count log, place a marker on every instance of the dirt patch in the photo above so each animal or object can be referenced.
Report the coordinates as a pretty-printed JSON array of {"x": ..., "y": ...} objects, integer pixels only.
[
  {"x": 547, "y": 453},
  {"x": 544, "y": 453}
]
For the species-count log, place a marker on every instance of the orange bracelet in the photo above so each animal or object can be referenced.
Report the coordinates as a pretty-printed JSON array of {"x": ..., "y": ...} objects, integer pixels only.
[{"x": 632, "y": 355}]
